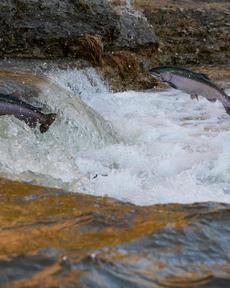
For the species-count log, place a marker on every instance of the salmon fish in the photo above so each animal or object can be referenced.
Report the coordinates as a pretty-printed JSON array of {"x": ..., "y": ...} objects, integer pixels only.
[
  {"x": 12, "y": 105},
  {"x": 193, "y": 83}
]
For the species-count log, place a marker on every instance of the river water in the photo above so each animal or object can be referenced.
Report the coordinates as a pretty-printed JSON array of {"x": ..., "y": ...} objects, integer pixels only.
[
  {"x": 158, "y": 147},
  {"x": 170, "y": 143},
  {"x": 144, "y": 148}
]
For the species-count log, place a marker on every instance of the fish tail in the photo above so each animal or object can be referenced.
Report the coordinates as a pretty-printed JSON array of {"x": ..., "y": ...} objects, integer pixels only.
[{"x": 46, "y": 124}]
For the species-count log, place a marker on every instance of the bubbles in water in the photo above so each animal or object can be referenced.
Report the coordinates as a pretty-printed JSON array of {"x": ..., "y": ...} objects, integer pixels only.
[
  {"x": 49, "y": 158},
  {"x": 173, "y": 149},
  {"x": 84, "y": 83}
]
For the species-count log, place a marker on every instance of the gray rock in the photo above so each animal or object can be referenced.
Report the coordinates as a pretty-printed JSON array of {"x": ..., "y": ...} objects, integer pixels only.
[
  {"x": 135, "y": 31},
  {"x": 54, "y": 28}
]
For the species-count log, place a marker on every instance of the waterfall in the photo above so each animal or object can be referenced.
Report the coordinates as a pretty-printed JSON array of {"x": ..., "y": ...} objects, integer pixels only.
[
  {"x": 129, "y": 4},
  {"x": 142, "y": 147},
  {"x": 49, "y": 158}
]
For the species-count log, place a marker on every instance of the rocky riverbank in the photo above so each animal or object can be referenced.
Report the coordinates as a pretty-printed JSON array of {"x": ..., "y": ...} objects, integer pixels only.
[
  {"x": 122, "y": 38},
  {"x": 191, "y": 32},
  {"x": 50, "y": 238},
  {"x": 195, "y": 34}
]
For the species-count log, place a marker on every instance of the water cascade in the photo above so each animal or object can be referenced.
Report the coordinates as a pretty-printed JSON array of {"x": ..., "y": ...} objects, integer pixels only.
[
  {"x": 142, "y": 147},
  {"x": 51, "y": 157}
]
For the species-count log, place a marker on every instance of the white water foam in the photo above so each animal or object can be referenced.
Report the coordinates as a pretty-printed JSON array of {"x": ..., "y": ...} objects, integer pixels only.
[
  {"x": 174, "y": 149},
  {"x": 49, "y": 159}
]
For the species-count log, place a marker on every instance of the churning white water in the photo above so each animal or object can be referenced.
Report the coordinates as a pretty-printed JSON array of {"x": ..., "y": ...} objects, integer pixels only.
[{"x": 169, "y": 148}]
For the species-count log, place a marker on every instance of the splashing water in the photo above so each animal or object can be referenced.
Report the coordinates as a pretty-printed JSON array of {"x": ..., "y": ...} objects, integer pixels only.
[
  {"x": 129, "y": 4},
  {"x": 173, "y": 149},
  {"x": 49, "y": 158}
]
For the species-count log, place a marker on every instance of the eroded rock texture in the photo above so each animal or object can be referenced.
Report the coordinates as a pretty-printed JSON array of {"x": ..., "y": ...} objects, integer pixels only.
[{"x": 32, "y": 28}]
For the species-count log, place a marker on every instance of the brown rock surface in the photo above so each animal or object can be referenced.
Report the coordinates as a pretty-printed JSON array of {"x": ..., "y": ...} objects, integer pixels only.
[
  {"x": 190, "y": 32},
  {"x": 118, "y": 40},
  {"x": 40, "y": 29}
]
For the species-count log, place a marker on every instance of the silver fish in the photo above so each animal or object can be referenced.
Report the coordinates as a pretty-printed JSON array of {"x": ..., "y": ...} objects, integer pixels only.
[
  {"x": 193, "y": 83},
  {"x": 11, "y": 105}
]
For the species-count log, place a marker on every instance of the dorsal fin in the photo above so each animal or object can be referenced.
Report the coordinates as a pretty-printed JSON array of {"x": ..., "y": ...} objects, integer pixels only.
[
  {"x": 9, "y": 97},
  {"x": 16, "y": 100},
  {"x": 172, "y": 85},
  {"x": 204, "y": 76}
]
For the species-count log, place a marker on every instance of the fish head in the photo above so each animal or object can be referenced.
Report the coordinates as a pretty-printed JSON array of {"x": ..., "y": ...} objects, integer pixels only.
[{"x": 161, "y": 73}]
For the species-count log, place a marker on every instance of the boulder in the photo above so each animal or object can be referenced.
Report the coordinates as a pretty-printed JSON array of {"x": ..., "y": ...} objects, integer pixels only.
[{"x": 57, "y": 28}]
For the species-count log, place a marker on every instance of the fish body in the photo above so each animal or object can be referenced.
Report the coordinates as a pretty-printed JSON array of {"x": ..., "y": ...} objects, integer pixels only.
[
  {"x": 193, "y": 83},
  {"x": 11, "y": 105}
]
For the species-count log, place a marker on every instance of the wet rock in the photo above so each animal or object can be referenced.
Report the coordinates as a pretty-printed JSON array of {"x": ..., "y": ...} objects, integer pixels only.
[
  {"x": 100, "y": 242},
  {"x": 56, "y": 28},
  {"x": 135, "y": 31},
  {"x": 190, "y": 32}
]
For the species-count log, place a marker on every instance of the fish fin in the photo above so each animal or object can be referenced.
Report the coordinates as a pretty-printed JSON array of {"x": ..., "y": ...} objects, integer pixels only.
[
  {"x": 37, "y": 109},
  {"x": 204, "y": 76},
  {"x": 211, "y": 99},
  {"x": 31, "y": 123},
  {"x": 11, "y": 98},
  {"x": 25, "y": 104},
  {"x": 194, "y": 96},
  {"x": 172, "y": 85},
  {"x": 49, "y": 120}
]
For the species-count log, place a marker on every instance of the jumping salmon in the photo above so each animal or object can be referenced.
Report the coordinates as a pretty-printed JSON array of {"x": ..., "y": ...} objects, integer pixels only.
[
  {"x": 11, "y": 105},
  {"x": 192, "y": 83}
]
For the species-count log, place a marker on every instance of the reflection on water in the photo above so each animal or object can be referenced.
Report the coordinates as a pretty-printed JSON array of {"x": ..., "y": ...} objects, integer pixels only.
[{"x": 49, "y": 238}]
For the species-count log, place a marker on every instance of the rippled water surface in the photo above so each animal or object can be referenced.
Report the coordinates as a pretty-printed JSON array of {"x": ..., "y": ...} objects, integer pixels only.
[
  {"x": 50, "y": 238},
  {"x": 146, "y": 148}
]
